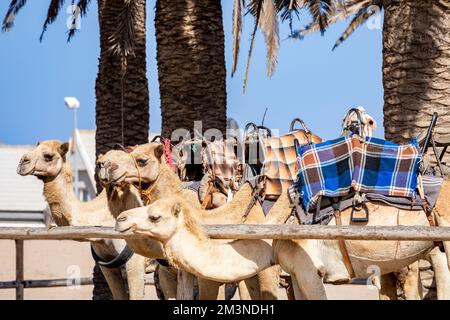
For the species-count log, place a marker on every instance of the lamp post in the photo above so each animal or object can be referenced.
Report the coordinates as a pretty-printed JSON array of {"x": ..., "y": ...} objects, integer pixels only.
[{"x": 73, "y": 104}]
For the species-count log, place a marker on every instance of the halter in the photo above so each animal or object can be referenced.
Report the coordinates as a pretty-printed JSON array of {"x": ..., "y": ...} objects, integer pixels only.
[{"x": 145, "y": 194}]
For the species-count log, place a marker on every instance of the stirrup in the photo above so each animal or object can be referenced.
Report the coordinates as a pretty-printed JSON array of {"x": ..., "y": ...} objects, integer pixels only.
[{"x": 358, "y": 208}]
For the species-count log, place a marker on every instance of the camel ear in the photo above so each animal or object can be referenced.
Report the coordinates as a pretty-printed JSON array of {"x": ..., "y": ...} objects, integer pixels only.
[
  {"x": 38, "y": 143},
  {"x": 176, "y": 209},
  {"x": 159, "y": 151},
  {"x": 63, "y": 148},
  {"x": 130, "y": 149}
]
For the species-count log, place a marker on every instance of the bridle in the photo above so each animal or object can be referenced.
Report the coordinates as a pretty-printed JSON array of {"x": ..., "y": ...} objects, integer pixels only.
[{"x": 146, "y": 194}]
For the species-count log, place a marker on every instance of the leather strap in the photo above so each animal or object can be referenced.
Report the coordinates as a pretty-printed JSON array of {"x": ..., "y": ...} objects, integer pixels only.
[
  {"x": 343, "y": 247},
  {"x": 163, "y": 262},
  {"x": 117, "y": 262}
]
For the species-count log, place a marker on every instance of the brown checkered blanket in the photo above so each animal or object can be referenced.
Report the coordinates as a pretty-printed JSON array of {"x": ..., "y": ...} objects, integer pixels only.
[{"x": 280, "y": 161}]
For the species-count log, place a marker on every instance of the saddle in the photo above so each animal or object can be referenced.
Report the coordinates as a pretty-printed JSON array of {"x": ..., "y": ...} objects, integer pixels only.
[
  {"x": 351, "y": 171},
  {"x": 209, "y": 167},
  {"x": 273, "y": 161}
]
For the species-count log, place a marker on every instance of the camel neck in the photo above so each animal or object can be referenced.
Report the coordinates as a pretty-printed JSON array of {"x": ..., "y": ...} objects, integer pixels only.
[
  {"x": 168, "y": 183},
  {"x": 59, "y": 194},
  {"x": 190, "y": 249},
  {"x": 67, "y": 210}
]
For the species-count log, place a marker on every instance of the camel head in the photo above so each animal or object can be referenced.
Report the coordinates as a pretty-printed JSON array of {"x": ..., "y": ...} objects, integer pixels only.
[
  {"x": 45, "y": 161},
  {"x": 159, "y": 221},
  {"x": 138, "y": 164},
  {"x": 367, "y": 121}
]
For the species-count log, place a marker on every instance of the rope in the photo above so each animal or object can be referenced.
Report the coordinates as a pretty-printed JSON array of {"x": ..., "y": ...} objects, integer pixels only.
[{"x": 145, "y": 194}]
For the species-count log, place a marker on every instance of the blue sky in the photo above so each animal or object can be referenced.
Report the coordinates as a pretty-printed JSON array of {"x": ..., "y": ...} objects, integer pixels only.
[{"x": 311, "y": 81}]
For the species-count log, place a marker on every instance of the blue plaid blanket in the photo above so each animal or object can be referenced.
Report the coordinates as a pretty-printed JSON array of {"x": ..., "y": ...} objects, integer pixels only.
[{"x": 335, "y": 168}]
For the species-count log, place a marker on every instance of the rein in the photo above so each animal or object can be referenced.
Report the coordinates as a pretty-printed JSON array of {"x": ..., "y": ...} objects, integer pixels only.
[{"x": 146, "y": 195}]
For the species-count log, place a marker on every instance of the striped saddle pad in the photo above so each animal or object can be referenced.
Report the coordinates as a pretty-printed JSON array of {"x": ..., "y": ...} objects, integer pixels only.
[
  {"x": 279, "y": 169},
  {"x": 337, "y": 167}
]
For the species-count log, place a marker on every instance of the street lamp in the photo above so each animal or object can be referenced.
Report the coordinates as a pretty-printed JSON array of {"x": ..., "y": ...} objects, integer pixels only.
[{"x": 73, "y": 104}]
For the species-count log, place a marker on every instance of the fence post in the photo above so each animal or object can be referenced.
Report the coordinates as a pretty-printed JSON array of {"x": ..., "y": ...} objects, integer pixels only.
[
  {"x": 19, "y": 270},
  {"x": 185, "y": 285}
]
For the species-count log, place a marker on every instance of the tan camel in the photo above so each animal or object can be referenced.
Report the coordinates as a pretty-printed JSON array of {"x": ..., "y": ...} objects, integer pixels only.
[
  {"x": 145, "y": 165},
  {"x": 172, "y": 222},
  {"x": 310, "y": 262},
  {"x": 48, "y": 163}
]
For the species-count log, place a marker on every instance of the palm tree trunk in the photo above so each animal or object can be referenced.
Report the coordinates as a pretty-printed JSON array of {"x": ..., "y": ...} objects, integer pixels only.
[
  {"x": 120, "y": 119},
  {"x": 191, "y": 64},
  {"x": 116, "y": 124},
  {"x": 416, "y": 67}
]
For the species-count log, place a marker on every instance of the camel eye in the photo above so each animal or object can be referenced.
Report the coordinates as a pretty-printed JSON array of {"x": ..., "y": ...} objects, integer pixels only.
[
  {"x": 155, "y": 218},
  {"x": 371, "y": 122},
  {"x": 48, "y": 157},
  {"x": 141, "y": 162}
]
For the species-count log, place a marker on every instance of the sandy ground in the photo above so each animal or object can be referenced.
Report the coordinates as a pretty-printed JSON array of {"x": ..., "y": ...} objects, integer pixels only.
[{"x": 65, "y": 259}]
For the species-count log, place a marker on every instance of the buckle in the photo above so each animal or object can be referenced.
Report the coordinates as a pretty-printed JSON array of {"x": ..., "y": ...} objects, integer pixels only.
[{"x": 359, "y": 208}]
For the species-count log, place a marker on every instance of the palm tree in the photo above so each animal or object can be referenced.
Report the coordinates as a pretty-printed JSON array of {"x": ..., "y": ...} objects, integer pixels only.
[
  {"x": 191, "y": 64},
  {"x": 122, "y": 95},
  {"x": 416, "y": 53}
]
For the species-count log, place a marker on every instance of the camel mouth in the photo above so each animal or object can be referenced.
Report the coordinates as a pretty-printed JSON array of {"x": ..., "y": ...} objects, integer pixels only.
[
  {"x": 143, "y": 185},
  {"x": 24, "y": 172},
  {"x": 124, "y": 228},
  {"x": 119, "y": 179}
]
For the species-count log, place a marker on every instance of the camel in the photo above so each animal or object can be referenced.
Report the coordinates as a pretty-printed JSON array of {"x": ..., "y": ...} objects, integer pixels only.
[
  {"x": 310, "y": 262},
  {"x": 48, "y": 163},
  {"x": 187, "y": 246},
  {"x": 282, "y": 209},
  {"x": 145, "y": 165}
]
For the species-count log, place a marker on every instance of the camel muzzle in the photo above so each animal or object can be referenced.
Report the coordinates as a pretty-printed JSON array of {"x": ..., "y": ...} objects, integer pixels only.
[{"x": 25, "y": 167}]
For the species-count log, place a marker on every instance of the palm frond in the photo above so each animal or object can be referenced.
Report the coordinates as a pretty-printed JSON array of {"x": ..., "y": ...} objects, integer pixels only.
[
  {"x": 53, "y": 10},
  {"x": 254, "y": 7},
  {"x": 361, "y": 16},
  {"x": 237, "y": 31},
  {"x": 121, "y": 42},
  {"x": 269, "y": 25},
  {"x": 10, "y": 17},
  {"x": 83, "y": 6},
  {"x": 320, "y": 10},
  {"x": 341, "y": 10},
  {"x": 289, "y": 9}
]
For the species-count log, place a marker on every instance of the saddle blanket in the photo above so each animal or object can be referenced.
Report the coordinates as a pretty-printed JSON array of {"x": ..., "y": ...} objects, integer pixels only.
[
  {"x": 431, "y": 186},
  {"x": 338, "y": 167}
]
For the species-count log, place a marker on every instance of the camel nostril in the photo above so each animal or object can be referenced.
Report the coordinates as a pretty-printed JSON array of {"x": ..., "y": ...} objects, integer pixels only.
[{"x": 25, "y": 160}]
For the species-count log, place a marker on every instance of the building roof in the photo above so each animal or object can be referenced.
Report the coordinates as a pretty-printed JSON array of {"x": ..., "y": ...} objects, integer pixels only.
[{"x": 18, "y": 193}]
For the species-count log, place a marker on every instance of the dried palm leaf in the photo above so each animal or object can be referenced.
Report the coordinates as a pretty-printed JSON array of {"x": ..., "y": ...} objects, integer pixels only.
[
  {"x": 237, "y": 31},
  {"x": 255, "y": 7},
  {"x": 341, "y": 11},
  {"x": 269, "y": 25},
  {"x": 320, "y": 10},
  {"x": 10, "y": 17},
  {"x": 361, "y": 16}
]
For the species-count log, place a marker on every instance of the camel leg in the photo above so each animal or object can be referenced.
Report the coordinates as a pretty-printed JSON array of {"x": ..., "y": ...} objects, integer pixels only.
[
  {"x": 135, "y": 268},
  {"x": 388, "y": 287},
  {"x": 249, "y": 289},
  {"x": 115, "y": 282},
  {"x": 168, "y": 281},
  {"x": 210, "y": 290},
  {"x": 298, "y": 295},
  {"x": 412, "y": 282},
  {"x": 441, "y": 273},
  {"x": 269, "y": 280},
  {"x": 290, "y": 293},
  {"x": 308, "y": 280},
  {"x": 444, "y": 221}
]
